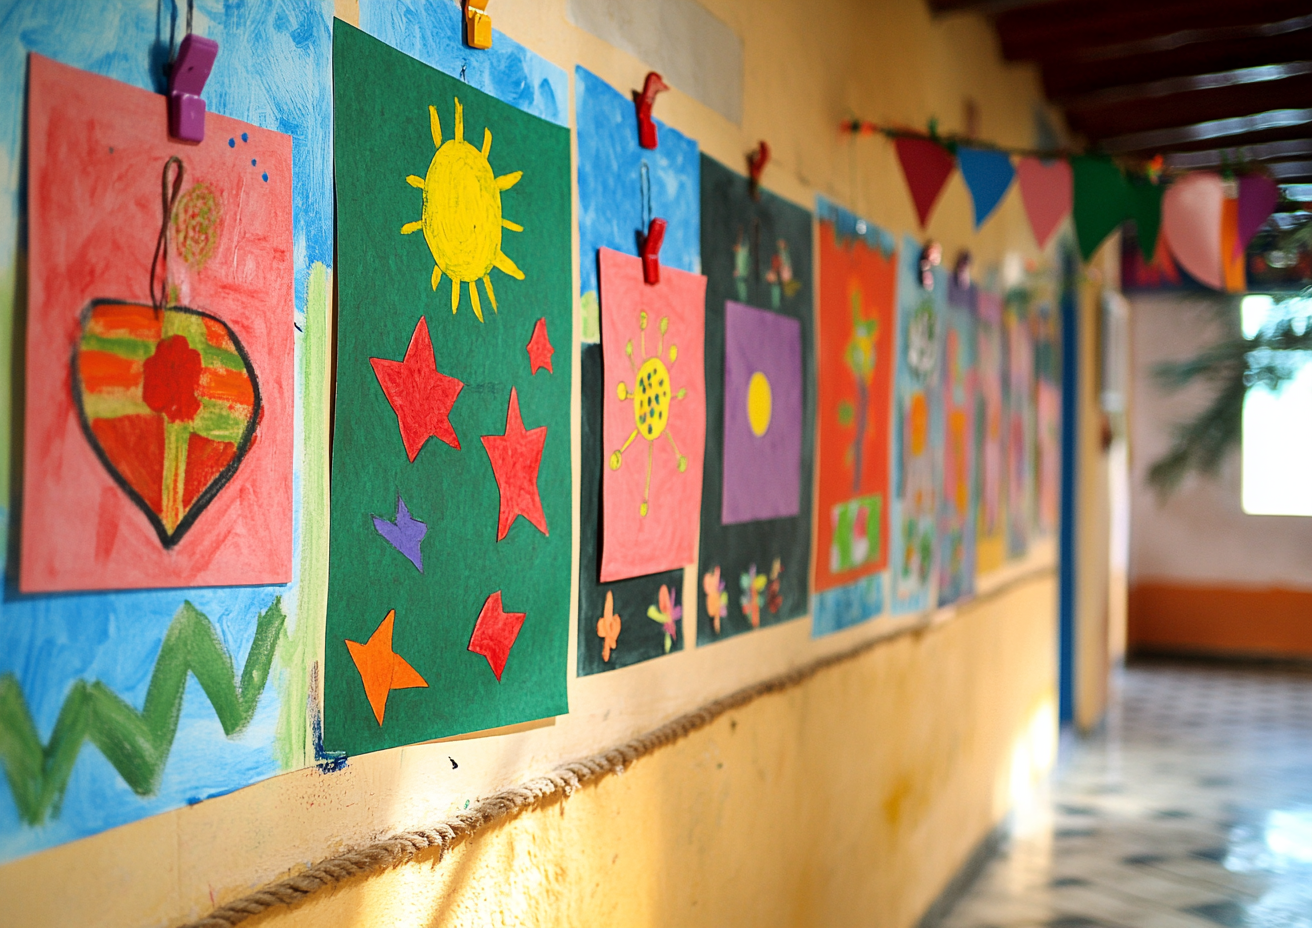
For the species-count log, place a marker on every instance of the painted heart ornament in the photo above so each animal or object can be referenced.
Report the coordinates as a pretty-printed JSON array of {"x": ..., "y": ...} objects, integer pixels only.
[{"x": 169, "y": 401}]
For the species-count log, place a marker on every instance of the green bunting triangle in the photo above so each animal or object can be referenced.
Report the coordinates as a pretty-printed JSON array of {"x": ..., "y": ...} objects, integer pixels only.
[
  {"x": 1146, "y": 211},
  {"x": 1102, "y": 200}
]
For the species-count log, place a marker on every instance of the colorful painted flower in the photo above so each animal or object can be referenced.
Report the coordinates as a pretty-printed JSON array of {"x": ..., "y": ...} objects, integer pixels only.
[
  {"x": 773, "y": 599},
  {"x": 753, "y": 585},
  {"x": 608, "y": 627},
  {"x": 668, "y": 613},
  {"x": 170, "y": 378},
  {"x": 717, "y": 600}
]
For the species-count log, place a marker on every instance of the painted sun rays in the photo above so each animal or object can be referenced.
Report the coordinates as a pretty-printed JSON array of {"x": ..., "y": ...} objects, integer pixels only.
[
  {"x": 652, "y": 393},
  {"x": 461, "y": 219}
]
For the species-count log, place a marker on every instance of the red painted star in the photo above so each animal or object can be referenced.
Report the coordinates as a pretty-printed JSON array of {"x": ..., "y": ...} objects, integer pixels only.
[
  {"x": 516, "y": 457},
  {"x": 495, "y": 633},
  {"x": 539, "y": 349},
  {"x": 420, "y": 395}
]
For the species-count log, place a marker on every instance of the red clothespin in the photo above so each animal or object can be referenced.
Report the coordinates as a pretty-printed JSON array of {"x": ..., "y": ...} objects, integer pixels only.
[
  {"x": 478, "y": 25},
  {"x": 191, "y": 69},
  {"x": 756, "y": 162},
  {"x": 644, "y": 100},
  {"x": 651, "y": 251}
]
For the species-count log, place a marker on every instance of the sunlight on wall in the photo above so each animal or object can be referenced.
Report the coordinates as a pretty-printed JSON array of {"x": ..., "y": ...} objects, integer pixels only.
[{"x": 1277, "y": 425}]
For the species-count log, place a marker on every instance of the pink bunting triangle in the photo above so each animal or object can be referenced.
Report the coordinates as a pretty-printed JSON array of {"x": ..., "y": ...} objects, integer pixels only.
[
  {"x": 1191, "y": 223},
  {"x": 926, "y": 165},
  {"x": 1258, "y": 196},
  {"x": 1046, "y": 191}
]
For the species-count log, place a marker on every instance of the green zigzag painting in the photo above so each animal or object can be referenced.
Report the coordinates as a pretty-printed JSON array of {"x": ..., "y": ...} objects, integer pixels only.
[{"x": 136, "y": 743}]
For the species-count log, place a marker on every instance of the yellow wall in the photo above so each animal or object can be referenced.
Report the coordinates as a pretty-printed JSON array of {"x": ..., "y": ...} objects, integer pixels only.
[{"x": 848, "y": 800}]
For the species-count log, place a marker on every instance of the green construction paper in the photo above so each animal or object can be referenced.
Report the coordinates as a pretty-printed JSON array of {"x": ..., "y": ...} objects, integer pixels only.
[
  {"x": 384, "y": 287},
  {"x": 1102, "y": 200},
  {"x": 1146, "y": 211}
]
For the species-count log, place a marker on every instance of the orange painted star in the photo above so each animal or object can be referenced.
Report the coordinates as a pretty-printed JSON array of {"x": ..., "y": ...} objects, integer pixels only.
[
  {"x": 608, "y": 627},
  {"x": 539, "y": 349},
  {"x": 382, "y": 669},
  {"x": 420, "y": 395},
  {"x": 516, "y": 457},
  {"x": 495, "y": 633}
]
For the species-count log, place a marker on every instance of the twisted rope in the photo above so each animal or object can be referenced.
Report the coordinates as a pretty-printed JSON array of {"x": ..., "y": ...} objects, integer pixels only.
[{"x": 400, "y": 848}]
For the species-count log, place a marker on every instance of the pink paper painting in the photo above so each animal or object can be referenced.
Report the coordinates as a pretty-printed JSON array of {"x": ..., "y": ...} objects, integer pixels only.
[
  {"x": 160, "y": 371},
  {"x": 654, "y": 417}
]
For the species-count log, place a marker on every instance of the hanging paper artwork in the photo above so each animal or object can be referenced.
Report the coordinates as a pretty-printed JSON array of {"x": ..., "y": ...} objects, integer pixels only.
[
  {"x": 1191, "y": 225},
  {"x": 622, "y": 186},
  {"x": 1047, "y": 417},
  {"x": 988, "y": 175},
  {"x": 856, "y": 331},
  {"x": 958, "y": 501},
  {"x": 755, "y": 539},
  {"x": 991, "y": 520},
  {"x": 926, "y": 167},
  {"x": 917, "y": 431},
  {"x": 448, "y": 600},
  {"x": 654, "y": 417},
  {"x": 159, "y": 390},
  {"x": 1020, "y": 422}
]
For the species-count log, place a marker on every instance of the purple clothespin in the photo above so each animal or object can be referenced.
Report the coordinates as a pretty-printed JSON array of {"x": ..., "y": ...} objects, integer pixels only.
[{"x": 191, "y": 69}]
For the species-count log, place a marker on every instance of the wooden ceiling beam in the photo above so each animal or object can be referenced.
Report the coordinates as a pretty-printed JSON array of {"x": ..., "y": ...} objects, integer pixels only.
[
  {"x": 1092, "y": 30},
  {"x": 1066, "y": 80},
  {"x": 1255, "y": 129},
  {"x": 1220, "y": 157},
  {"x": 1127, "y": 116}
]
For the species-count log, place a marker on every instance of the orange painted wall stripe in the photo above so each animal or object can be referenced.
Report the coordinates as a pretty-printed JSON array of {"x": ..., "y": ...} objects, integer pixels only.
[{"x": 1219, "y": 619}]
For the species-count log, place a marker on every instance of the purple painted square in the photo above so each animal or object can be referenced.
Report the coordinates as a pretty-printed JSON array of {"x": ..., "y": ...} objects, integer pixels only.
[{"x": 762, "y": 415}]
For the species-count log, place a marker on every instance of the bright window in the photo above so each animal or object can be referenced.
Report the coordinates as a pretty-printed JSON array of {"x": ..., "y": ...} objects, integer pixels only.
[{"x": 1277, "y": 426}]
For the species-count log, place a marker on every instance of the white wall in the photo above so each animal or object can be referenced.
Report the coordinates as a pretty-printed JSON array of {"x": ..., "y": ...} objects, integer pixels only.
[{"x": 1200, "y": 535}]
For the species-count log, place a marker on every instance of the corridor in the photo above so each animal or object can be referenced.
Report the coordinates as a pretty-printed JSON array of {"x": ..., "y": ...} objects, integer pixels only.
[{"x": 1192, "y": 808}]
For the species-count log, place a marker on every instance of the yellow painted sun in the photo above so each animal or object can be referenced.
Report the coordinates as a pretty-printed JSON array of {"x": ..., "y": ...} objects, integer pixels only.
[
  {"x": 651, "y": 393},
  {"x": 461, "y": 219}
]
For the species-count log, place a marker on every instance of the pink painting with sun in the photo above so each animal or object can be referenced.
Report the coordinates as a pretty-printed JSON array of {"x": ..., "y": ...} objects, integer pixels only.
[{"x": 160, "y": 377}]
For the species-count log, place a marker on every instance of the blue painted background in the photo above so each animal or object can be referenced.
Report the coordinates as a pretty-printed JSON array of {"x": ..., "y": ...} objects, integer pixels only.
[
  {"x": 431, "y": 31},
  {"x": 610, "y": 181},
  {"x": 273, "y": 70}
]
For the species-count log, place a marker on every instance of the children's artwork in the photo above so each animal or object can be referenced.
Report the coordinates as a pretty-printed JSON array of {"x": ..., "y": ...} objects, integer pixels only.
[
  {"x": 653, "y": 421},
  {"x": 1020, "y": 422},
  {"x": 623, "y": 186},
  {"x": 991, "y": 518},
  {"x": 856, "y": 331},
  {"x": 448, "y": 597},
  {"x": 159, "y": 365},
  {"x": 917, "y": 429},
  {"x": 613, "y": 628},
  {"x": 1047, "y": 417},
  {"x": 958, "y": 501},
  {"x": 170, "y": 409},
  {"x": 755, "y": 542}
]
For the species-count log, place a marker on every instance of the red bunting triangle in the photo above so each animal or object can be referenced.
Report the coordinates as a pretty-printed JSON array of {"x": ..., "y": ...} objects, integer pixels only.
[{"x": 927, "y": 166}]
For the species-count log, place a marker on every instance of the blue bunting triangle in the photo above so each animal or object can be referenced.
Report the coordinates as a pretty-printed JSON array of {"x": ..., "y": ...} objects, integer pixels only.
[{"x": 988, "y": 174}]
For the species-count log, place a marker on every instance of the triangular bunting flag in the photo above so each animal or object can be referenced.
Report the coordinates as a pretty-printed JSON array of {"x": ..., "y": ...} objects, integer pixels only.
[
  {"x": 1258, "y": 196},
  {"x": 988, "y": 175},
  {"x": 926, "y": 165},
  {"x": 1146, "y": 211},
  {"x": 1045, "y": 189},
  {"x": 1102, "y": 200},
  {"x": 1191, "y": 222},
  {"x": 1232, "y": 256}
]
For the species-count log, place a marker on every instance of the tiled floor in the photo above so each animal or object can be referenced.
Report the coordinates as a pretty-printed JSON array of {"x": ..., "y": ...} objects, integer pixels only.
[{"x": 1192, "y": 809}]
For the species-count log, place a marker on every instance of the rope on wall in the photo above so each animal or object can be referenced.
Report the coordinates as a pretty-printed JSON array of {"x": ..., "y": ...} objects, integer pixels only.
[{"x": 563, "y": 781}]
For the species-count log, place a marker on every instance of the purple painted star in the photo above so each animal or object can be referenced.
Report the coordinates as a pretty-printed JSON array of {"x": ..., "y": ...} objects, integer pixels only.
[{"x": 404, "y": 534}]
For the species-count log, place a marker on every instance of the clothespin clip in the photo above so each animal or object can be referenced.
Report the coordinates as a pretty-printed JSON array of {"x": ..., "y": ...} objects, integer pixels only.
[
  {"x": 478, "y": 25},
  {"x": 643, "y": 100},
  {"x": 756, "y": 162},
  {"x": 191, "y": 69},
  {"x": 650, "y": 251}
]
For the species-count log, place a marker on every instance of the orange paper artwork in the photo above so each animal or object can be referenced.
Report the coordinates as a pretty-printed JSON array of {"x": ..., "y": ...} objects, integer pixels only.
[{"x": 160, "y": 384}]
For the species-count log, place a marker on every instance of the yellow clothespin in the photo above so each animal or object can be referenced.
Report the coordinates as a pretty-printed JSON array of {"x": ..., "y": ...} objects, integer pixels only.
[{"x": 478, "y": 25}]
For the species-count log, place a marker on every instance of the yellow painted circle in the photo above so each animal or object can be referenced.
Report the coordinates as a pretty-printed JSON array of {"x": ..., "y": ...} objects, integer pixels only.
[
  {"x": 760, "y": 403},
  {"x": 651, "y": 399},
  {"x": 462, "y": 211}
]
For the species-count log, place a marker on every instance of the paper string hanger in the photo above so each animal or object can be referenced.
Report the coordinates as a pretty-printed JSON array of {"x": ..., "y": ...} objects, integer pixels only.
[
  {"x": 644, "y": 100},
  {"x": 478, "y": 25},
  {"x": 187, "y": 77},
  {"x": 756, "y": 162}
]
